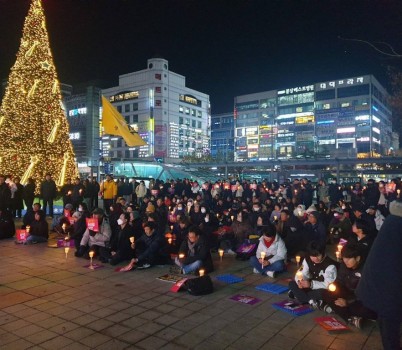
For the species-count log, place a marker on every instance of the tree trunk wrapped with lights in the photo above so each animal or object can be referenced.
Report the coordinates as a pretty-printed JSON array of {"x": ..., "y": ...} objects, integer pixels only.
[{"x": 34, "y": 132}]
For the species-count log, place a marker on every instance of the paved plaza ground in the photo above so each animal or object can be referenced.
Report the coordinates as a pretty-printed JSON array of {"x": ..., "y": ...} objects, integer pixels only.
[{"x": 50, "y": 302}]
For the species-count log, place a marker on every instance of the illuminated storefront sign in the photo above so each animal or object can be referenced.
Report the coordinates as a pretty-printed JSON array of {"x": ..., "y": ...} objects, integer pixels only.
[
  {"x": 362, "y": 117},
  {"x": 77, "y": 111},
  {"x": 75, "y": 136},
  {"x": 305, "y": 120},
  {"x": 345, "y": 130},
  {"x": 124, "y": 96},
  {"x": 376, "y": 119},
  {"x": 190, "y": 99},
  {"x": 341, "y": 83},
  {"x": 376, "y": 130},
  {"x": 363, "y": 139},
  {"x": 295, "y": 90}
]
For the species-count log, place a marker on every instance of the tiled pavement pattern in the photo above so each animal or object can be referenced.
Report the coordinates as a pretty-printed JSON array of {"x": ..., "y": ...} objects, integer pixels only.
[{"x": 50, "y": 302}]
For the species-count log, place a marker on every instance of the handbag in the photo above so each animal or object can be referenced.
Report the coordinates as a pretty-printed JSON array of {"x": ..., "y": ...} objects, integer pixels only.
[{"x": 199, "y": 285}]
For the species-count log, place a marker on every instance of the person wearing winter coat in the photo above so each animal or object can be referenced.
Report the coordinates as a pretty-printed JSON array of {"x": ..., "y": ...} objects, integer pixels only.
[
  {"x": 48, "y": 192},
  {"x": 108, "y": 189},
  {"x": 381, "y": 283},
  {"x": 140, "y": 192},
  {"x": 39, "y": 230},
  {"x": 29, "y": 193},
  {"x": 273, "y": 257},
  {"x": 120, "y": 249},
  {"x": 343, "y": 300},
  {"x": 95, "y": 241},
  {"x": 7, "y": 226},
  {"x": 317, "y": 272},
  {"x": 5, "y": 195},
  {"x": 18, "y": 204},
  {"x": 196, "y": 253}
]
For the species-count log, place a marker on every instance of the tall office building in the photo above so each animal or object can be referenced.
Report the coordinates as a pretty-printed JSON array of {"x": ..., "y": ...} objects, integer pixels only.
[
  {"x": 343, "y": 117},
  {"x": 222, "y": 137},
  {"x": 173, "y": 119},
  {"x": 83, "y": 115}
]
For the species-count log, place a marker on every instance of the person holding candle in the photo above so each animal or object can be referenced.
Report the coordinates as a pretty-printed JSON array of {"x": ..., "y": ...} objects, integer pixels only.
[
  {"x": 273, "y": 250},
  {"x": 29, "y": 216},
  {"x": 95, "y": 241},
  {"x": 360, "y": 237},
  {"x": 340, "y": 226},
  {"x": 66, "y": 192},
  {"x": 39, "y": 229},
  {"x": 343, "y": 300},
  {"x": 318, "y": 271},
  {"x": 149, "y": 250},
  {"x": 196, "y": 253},
  {"x": 120, "y": 246}
]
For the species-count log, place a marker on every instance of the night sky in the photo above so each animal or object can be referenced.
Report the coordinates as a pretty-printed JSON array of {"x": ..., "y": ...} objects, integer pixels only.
[{"x": 224, "y": 48}]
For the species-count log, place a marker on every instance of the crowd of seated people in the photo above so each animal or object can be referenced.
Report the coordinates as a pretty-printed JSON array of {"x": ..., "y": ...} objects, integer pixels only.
[{"x": 142, "y": 226}]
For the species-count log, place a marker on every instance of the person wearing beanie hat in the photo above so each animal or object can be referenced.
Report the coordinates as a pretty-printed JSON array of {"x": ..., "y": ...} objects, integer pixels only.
[{"x": 150, "y": 208}]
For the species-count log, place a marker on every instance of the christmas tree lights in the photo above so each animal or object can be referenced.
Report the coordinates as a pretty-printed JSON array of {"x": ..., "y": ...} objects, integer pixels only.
[{"x": 34, "y": 130}]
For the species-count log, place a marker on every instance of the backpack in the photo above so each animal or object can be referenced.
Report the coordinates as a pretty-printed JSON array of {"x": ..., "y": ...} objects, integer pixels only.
[{"x": 199, "y": 285}]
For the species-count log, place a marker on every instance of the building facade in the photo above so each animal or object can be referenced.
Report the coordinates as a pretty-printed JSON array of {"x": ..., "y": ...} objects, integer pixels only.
[
  {"x": 83, "y": 115},
  {"x": 173, "y": 119},
  {"x": 222, "y": 137},
  {"x": 345, "y": 117}
]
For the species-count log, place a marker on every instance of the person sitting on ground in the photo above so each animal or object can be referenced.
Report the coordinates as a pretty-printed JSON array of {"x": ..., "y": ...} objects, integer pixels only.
[
  {"x": 39, "y": 230},
  {"x": 274, "y": 251},
  {"x": 317, "y": 272},
  {"x": 7, "y": 226},
  {"x": 121, "y": 246},
  {"x": 59, "y": 220},
  {"x": 343, "y": 300},
  {"x": 29, "y": 216},
  {"x": 290, "y": 229},
  {"x": 80, "y": 224},
  {"x": 239, "y": 231},
  {"x": 361, "y": 238},
  {"x": 196, "y": 253},
  {"x": 314, "y": 229},
  {"x": 95, "y": 241},
  {"x": 340, "y": 226},
  {"x": 149, "y": 250}
]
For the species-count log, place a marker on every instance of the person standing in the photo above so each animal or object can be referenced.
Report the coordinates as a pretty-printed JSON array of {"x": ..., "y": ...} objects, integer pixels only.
[
  {"x": 5, "y": 194},
  {"x": 381, "y": 282},
  {"x": 109, "y": 193},
  {"x": 18, "y": 198},
  {"x": 29, "y": 193},
  {"x": 95, "y": 188},
  {"x": 48, "y": 191}
]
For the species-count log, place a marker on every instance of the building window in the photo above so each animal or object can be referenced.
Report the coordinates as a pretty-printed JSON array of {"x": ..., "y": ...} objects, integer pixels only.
[
  {"x": 181, "y": 109},
  {"x": 325, "y": 95},
  {"x": 193, "y": 112},
  {"x": 158, "y": 76},
  {"x": 135, "y": 118},
  {"x": 127, "y": 108},
  {"x": 127, "y": 154},
  {"x": 119, "y": 109},
  {"x": 187, "y": 110},
  {"x": 158, "y": 89},
  {"x": 193, "y": 123},
  {"x": 180, "y": 120},
  {"x": 199, "y": 125},
  {"x": 127, "y": 118},
  {"x": 135, "y": 106}
]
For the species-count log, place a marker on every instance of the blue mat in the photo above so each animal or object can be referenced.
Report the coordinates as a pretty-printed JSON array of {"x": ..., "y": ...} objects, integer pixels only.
[
  {"x": 272, "y": 288},
  {"x": 229, "y": 278},
  {"x": 293, "y": 307}
]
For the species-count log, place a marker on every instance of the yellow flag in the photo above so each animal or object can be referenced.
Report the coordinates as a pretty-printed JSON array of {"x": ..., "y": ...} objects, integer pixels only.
[{"x": 115, "y": 124}]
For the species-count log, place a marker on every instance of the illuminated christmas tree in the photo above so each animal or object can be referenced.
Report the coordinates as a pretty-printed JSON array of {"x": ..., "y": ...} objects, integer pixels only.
[{"x": 34, "y": 131}]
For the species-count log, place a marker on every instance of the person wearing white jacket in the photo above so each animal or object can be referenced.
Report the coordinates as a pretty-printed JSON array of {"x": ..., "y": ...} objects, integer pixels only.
[
  {"x": 317, "y": 272},
  {"x": 271, "y": 253}
]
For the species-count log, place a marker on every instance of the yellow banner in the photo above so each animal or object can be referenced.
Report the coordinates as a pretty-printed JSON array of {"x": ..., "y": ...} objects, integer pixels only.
[{"x": 115, "y": 124}]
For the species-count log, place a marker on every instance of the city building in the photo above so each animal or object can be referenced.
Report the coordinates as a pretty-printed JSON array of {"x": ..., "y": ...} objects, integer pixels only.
[
  {"x": 222, "y": 137},
  {"x": 173, "y": 119},
  {"x": 344, "y": 117},
  {"x": 83, "y": 115}
]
